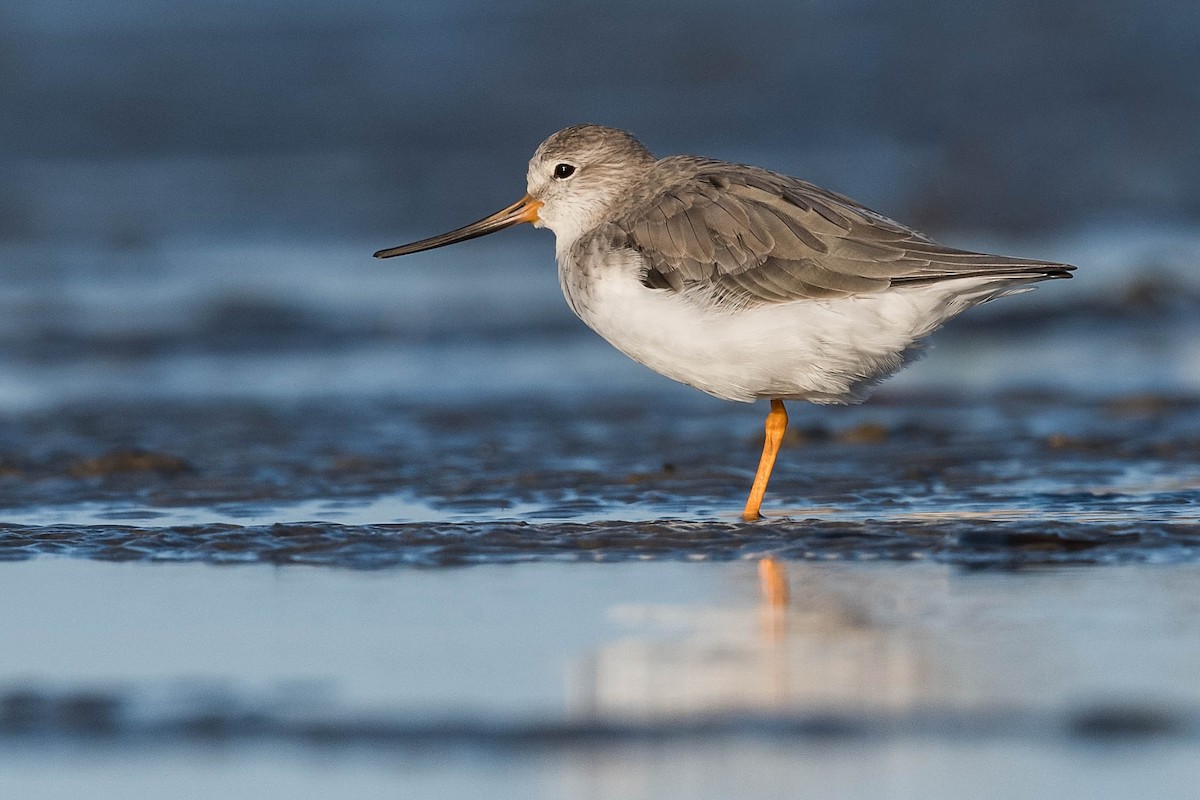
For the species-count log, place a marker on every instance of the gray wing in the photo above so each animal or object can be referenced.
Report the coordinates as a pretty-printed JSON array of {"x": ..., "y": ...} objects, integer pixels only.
[{"x": 744, "y": 236}]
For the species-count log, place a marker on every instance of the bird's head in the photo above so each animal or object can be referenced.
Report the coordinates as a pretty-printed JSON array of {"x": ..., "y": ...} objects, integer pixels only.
[
  {"x": 574, "y": 177},
  {"x": 581, "y": 172}
]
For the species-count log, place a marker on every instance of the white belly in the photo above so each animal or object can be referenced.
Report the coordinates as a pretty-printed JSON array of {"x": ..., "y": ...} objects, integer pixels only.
[{"x": 825, "y": 351}]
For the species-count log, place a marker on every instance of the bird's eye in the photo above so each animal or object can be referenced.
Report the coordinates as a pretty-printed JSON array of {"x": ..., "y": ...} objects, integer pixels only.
[{"x": 563, "y": 171}]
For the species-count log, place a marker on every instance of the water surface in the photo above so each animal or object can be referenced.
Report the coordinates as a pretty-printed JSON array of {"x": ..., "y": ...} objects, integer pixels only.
[{"x": 669, "y": 679}]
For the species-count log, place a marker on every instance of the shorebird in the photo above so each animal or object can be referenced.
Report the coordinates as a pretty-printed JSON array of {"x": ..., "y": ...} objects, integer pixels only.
[{"x": 739, "y": 281}]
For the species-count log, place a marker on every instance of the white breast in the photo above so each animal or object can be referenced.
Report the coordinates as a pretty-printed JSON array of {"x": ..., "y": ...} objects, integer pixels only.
[{"x": 825, "y": 351}]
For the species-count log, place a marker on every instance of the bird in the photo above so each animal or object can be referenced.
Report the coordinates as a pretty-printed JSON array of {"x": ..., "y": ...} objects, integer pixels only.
[{"x": 739, "y": 281}]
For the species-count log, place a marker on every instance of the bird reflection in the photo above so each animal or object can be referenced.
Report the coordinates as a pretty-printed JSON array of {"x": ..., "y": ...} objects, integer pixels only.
[
  {"x": 811, "y": 644},
  {"x": 773, "y": 589}
]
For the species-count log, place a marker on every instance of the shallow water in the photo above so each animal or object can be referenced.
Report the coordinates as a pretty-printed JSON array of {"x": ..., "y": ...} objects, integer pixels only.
[
  {"x": 1015, "y": 479},
  {"x": 974, "y": 580},
  {"x": 597, "y": 680}
]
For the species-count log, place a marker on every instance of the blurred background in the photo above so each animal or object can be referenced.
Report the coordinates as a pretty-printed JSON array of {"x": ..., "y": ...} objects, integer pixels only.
[{"x": 190, "y": 191}]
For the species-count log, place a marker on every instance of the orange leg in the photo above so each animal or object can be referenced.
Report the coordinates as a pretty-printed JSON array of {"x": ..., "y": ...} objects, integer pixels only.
[{"x": 776, "y": 425}]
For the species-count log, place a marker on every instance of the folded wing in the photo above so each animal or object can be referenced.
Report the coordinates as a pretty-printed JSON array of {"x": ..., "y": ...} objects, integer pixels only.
[{"x": 741, "y": 236}]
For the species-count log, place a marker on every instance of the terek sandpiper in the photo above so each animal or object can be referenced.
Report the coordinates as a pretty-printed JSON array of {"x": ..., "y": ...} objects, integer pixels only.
[{"x": 741, "y": 282}]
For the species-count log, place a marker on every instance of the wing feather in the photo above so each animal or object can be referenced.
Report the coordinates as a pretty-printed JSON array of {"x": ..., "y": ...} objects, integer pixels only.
[{"x": 744, "y": 236}]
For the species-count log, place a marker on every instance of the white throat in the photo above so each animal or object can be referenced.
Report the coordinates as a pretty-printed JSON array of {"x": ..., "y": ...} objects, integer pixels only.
[{"x": 569, "y": 220}]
